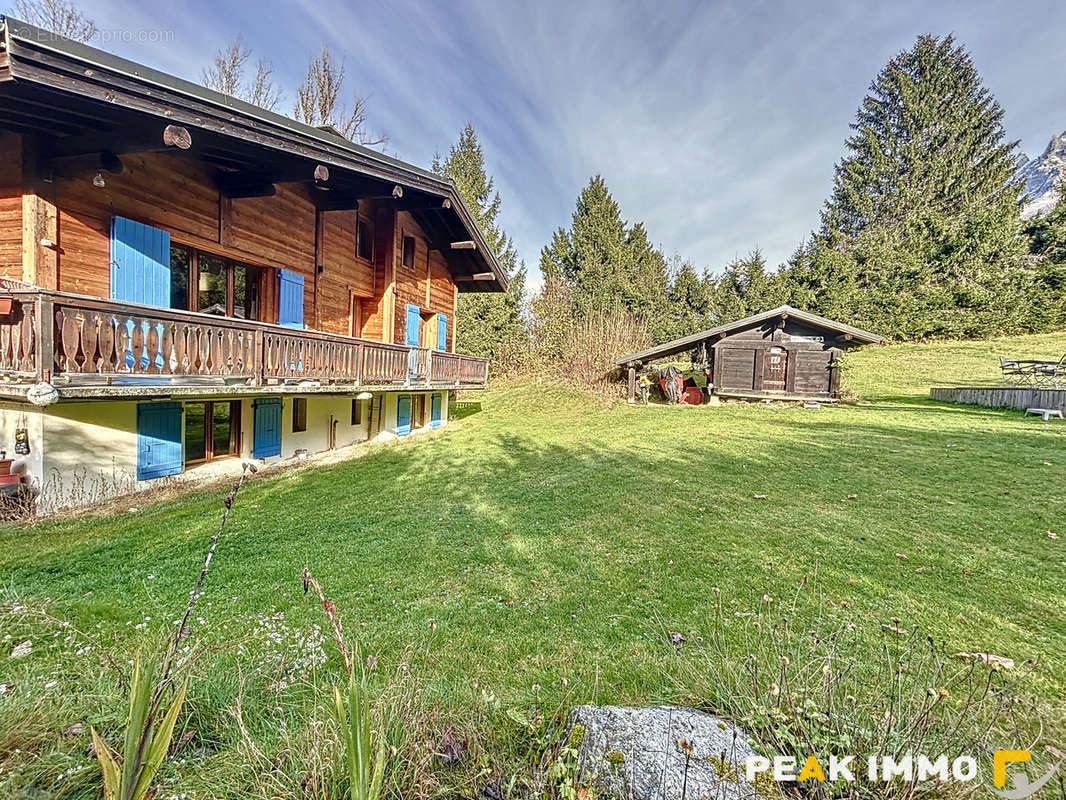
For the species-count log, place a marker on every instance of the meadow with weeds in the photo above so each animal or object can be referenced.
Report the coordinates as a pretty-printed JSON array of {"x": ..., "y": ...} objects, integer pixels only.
[{"x": 827, "y": 577}]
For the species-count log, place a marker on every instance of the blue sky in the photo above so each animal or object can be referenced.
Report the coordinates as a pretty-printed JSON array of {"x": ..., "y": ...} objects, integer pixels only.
[{"x": 717, "y": 124}]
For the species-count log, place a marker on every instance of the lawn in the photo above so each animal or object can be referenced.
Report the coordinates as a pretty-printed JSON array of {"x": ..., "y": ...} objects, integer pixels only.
[{"x": 533, "y": 555}]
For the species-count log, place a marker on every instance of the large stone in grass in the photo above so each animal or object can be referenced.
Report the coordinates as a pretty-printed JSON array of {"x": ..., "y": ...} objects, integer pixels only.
[{"x": 661, "y": 753}]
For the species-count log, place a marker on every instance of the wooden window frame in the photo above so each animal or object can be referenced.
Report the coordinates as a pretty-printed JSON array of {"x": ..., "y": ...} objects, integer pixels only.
[
  {"x": 298, "y": 418},
  {"x": 368, "y": 224},
  {"x": 418, "y": 401},
  {"x": 403, "y": 251},
  {"x": 236, "y": 431},
  {"x": 195, "y": 252},
  {"x": 355, "y": 314}
]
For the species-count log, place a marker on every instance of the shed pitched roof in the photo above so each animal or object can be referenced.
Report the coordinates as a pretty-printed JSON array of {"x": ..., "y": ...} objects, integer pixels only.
[{"x": 690, "y": 341}]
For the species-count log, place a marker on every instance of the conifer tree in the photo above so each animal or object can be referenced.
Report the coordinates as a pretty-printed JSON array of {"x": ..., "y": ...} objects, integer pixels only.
[
  {"x": 921, "y": 235},
  {"x": 689, "y": 300},
  {"x": 601, "y": 262},
  {"x": 491, "y": 324},
  {"x": 928, "y": 140},
  {"x": 745, "y": 288}
]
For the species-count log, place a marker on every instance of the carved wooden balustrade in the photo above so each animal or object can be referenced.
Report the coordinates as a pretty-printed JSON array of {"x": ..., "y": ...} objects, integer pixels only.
[
  {"x": 18, "y": 338},
  {"x": 93, "y": 341},
  {"x": 450, "y": 368}
]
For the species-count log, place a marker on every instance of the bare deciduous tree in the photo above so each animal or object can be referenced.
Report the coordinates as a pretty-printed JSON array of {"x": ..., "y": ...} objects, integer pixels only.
[
  {"x": 318, "y": 101},
  {"x": 226, "y": 75},
  {"x": 58, "y": 16}
]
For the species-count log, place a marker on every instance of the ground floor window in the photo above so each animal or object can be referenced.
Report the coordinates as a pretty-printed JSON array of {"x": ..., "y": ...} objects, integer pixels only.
[
  {"x": 299, "y": 414},
  {"x": 357, "y": 412},
  {"x": 212, "y": 430}
]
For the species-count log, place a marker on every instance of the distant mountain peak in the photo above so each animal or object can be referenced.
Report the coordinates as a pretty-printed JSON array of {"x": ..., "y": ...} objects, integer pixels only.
[{"x": 1042, "y": 176}]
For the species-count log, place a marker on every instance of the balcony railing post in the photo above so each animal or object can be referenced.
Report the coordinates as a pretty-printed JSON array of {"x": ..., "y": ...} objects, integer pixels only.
[
  {"x": 359, "y": 355},
  {"x": 258, "y": 358},
  {"x": 44, "y": 324}
]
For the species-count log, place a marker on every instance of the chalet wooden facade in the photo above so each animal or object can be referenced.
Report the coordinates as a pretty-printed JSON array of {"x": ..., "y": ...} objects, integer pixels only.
[
  {"x": 186, "y": 278},
  {"x": 783, "y": 353}
]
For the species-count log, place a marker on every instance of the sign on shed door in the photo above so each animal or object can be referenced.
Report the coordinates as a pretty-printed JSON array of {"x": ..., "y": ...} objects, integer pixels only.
[{"x": 774, "y": 370}]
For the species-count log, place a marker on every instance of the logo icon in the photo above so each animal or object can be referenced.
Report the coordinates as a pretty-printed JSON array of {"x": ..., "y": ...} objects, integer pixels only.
[{"x": 1023, "y": 787}]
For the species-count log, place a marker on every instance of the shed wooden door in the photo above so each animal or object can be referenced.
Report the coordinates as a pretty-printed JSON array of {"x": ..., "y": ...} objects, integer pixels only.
[
  {"x": 774, "y": 370},
  {"x": 735, "y": 368}
]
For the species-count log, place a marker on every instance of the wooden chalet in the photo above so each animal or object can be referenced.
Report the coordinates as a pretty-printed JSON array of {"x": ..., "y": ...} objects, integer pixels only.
[
  {"x": 186, "y": 278},
  {"x": 783, "y": 354}
]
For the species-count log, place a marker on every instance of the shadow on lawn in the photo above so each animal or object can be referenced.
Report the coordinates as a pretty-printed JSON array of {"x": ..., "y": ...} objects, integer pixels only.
[{"x": 449, "y": 499}]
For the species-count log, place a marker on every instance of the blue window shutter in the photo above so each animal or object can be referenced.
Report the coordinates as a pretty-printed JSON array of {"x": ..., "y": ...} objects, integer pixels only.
[
  {"x": 442, "y": 331},
  {"x": 140, "y": 263},
  {"x": 267, "y": 441},
  {"x": 291, "y": 299},
  {"x": 434, "y": 417},
  {"x": 403, "y": 415},
  {"x": 159, "y": 432},
  {"x": 414, "y": 320}
]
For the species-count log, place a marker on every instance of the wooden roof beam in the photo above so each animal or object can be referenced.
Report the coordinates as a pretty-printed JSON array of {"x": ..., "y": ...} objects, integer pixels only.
[
  {"x": 428, "y": 204},
  {"x": 246, "y": 190},
  {"x": 170, "y": 137},
  {"x": 465, "y": 245}
]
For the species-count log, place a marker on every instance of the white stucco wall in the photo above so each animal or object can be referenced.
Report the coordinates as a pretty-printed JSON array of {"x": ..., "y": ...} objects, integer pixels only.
[
  {"x": 90, "y": 453},
  {"x": 82, "y": 452},
  {"x": 321, "y": 412}
]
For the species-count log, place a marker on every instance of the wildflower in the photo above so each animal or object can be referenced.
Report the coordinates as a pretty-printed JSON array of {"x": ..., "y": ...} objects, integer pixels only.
[
  {"x": 774, "y": 689},
  {"x": 784, "y": 661}
]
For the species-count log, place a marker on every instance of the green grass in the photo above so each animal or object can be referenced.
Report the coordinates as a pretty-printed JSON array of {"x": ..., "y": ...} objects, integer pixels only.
[{"x": 538, "y": 550}]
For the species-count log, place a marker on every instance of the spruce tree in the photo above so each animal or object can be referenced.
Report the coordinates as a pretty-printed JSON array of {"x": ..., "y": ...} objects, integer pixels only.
[
  {"x": 601, "y": 262},
  {"x": 928, "y": 140},
  {"x": 745, "y": 288},
  {"x": 1047, "y": 243},
  {"x": 689, "y": 299},
  {"x": 921, "y": 235},
  {"x": 489, "y": 324}
]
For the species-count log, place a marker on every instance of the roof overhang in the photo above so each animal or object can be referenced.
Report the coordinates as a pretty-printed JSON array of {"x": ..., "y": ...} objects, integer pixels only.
[
  {"x": 692, "y": 341},
  {"x": 64, "y": 92}
]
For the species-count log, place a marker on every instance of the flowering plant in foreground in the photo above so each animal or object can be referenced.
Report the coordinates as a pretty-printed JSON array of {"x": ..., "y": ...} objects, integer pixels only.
[
  {"x": 366, "y": 769},
  {"x": 150, "y": 723}
]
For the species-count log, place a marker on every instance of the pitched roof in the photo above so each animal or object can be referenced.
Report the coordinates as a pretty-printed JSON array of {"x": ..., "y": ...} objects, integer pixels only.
[
  {"x": 30, "y": 54},
  {"x": 690, "y": 341}
]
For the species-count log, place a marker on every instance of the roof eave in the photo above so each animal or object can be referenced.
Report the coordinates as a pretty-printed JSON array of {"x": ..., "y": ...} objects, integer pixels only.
[{"x": 681, "y": 344}]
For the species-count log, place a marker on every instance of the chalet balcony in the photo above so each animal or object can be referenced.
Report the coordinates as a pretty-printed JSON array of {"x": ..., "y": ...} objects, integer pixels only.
[{"x": 92, "y": 347}]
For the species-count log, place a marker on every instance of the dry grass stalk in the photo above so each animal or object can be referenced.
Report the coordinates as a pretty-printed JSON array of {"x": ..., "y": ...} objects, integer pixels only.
[{"x": 332, "y": 615}]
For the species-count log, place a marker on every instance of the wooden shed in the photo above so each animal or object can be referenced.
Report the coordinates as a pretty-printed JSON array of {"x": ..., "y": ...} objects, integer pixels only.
[{"x": 783, "y": 353}]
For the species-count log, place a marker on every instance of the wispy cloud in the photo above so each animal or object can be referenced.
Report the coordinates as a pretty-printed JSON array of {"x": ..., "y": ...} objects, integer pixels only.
[{"x": 717, "y": 124}]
